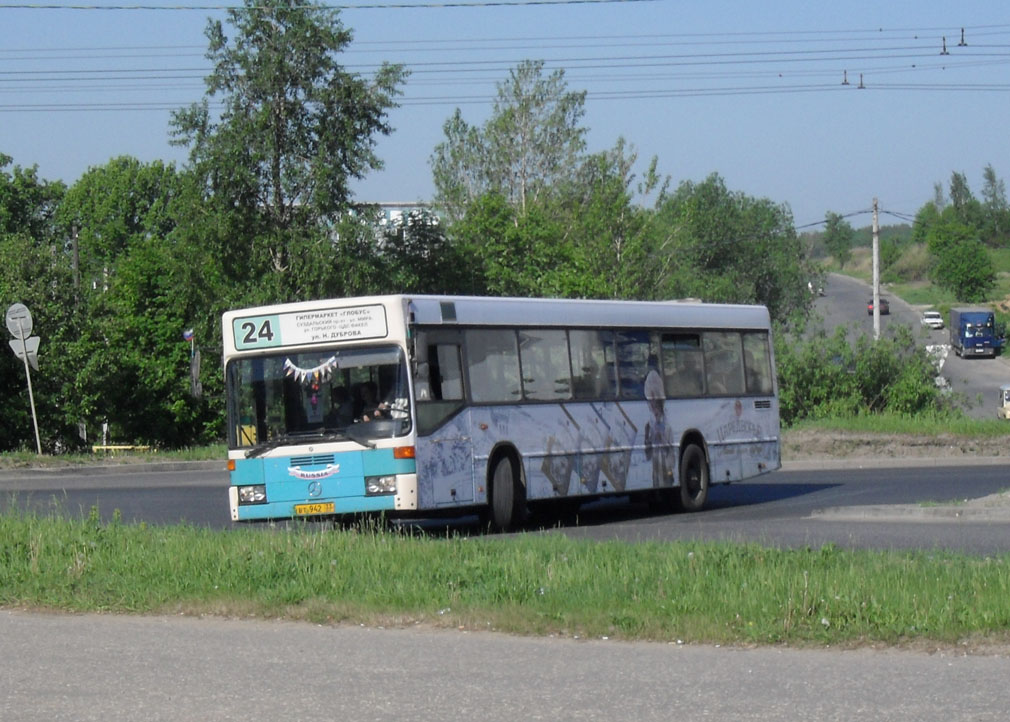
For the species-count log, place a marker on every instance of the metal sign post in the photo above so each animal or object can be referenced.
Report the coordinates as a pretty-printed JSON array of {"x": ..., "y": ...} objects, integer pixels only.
[{"x": 26, "y": 348}]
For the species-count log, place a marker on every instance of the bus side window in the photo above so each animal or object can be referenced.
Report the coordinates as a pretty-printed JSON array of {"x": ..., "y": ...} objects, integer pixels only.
[
  {"x": 442, "y": 374},
  {"x": 633, "y": 362},
  {"x": 683, "y": 365},
  {"x": 492, "y": 365},
  {"x": 546, "y": 370},
  {"x": 445, "y": 374},
  {"x": 592, "y": 358}
]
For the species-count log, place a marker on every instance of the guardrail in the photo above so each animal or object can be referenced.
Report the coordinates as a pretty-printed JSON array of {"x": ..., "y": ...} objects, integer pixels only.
[{"x": 114, "y": 448}]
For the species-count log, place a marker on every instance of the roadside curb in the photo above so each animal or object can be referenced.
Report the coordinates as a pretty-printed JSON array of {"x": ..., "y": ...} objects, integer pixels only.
[
  {"x": 915, "y": 513},
  {"x": 995, "y": 509},
  {"x": 892, "y": 462},
  {"x": 112, "y": 469}
]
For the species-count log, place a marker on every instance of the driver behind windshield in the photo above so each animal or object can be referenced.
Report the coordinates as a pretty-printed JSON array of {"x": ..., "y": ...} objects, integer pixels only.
[{"x": 341, "y": 412}]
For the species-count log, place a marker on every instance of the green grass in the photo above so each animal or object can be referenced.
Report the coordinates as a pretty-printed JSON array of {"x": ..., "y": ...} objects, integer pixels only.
[
  {"x": 920, "y": 294},
  {"x": 26, "y": 458},
  {"x": 920, "y": 425},
  {"x": 533, "y": 584},
  {"x": 1000, "y": 258}
]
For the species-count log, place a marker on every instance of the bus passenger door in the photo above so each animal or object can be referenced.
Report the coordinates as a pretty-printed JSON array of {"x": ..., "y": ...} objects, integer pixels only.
[{"x": 443, "y": 446}]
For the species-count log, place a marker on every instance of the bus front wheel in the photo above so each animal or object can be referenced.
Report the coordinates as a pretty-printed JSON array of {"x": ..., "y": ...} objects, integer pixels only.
[
  {"x": 693, "y": 479},
  {"x": 506, "y": 496}
]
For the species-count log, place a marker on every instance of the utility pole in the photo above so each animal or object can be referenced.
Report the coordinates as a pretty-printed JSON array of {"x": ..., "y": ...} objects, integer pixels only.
[
  {"x": 876, "y": 274},
  {"x": 75, "y": 263}
]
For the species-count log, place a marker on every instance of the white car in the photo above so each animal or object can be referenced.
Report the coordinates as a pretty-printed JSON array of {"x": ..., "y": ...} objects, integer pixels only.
[{"x": 933, "y": 319}]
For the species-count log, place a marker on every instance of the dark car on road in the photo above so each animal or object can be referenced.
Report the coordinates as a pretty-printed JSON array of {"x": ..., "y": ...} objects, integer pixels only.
[{"x": 884, "y": 307}]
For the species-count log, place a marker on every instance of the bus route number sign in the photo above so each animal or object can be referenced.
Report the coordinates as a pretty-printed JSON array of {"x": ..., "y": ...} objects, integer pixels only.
[{"x": 299, "y": 328}]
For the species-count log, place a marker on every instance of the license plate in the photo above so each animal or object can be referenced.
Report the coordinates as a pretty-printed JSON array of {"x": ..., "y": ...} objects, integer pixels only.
[{"x": 327, "y": 507}]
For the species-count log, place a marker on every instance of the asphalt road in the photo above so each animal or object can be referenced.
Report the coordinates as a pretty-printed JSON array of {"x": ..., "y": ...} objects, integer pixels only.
[
  {"x": 975, "y": 380},
  {"x": 788, "y": 508},
  {"x": 109, "y": 668}
]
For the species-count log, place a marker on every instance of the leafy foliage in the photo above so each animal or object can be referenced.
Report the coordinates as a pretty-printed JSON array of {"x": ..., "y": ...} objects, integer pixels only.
[
  {"x": 726, "y": 246},
  {"x": 531, "y": 143},
  {"x": 295, "y": 130},
  {"x": 823, "y": 376},
  {"x": 35, "y": 271},
  {"x": 961, "y": 263},
  {"x": 958, "y": 232},
  {"x": 838, "y": 237},
  {"x": 538, "y": 218}
]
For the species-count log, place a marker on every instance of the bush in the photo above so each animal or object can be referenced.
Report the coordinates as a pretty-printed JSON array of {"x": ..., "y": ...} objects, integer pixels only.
[{"x": 823, "y": 376}]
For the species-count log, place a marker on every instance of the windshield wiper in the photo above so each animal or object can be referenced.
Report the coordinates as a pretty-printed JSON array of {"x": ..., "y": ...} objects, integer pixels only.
[
  {"x": 324, "y": 435},
  {"x": 266, "y": 446},
  {"x": 355, "y": 433}
]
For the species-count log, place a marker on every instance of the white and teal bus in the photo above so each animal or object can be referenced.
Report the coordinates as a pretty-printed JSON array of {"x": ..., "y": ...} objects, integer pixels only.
[{"x": 434, "y": 405}]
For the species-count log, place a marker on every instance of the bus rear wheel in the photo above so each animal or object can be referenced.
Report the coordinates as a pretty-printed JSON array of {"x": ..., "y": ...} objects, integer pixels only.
[
  {"x": 506, "y": 496},
  {"x": 693, "y": 479}
]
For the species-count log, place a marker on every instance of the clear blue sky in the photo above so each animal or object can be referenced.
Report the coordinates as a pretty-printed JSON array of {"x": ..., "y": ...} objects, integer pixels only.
[{"x": 750, "y": 90}]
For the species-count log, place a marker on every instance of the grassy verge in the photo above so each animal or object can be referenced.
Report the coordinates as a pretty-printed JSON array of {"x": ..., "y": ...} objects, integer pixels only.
[
  {"x": 533, "y": 584},
  {"x": 25, "y": 459},
  {"x": 877, "y": 423},
  {"x": 920, "y": 425}
]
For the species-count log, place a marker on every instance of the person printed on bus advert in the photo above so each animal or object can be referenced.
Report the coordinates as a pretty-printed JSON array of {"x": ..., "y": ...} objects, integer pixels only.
[{"x": 656, "y": 441}]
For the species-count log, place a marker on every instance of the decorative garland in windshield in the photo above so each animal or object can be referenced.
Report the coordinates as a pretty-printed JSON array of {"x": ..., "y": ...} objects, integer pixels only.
[{"x": 314, "y": 375}]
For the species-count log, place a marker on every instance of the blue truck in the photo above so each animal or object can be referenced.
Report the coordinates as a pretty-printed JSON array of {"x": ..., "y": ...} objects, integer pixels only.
[{"x": 973, "y": 332}]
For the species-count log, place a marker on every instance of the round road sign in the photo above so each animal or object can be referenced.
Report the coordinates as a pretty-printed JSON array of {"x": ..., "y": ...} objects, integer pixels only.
[{"x": 19, "y": 321}]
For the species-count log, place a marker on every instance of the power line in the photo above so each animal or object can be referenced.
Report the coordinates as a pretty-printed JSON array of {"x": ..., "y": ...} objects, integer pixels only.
[
  {"x": 367, "y": 6},
  {"x": 908, "y": 218},
  {"x": 593, "y": 62}
]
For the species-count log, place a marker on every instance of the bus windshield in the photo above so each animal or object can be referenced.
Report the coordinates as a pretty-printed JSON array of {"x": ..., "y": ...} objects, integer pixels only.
[{"x": 291, "y": 398}]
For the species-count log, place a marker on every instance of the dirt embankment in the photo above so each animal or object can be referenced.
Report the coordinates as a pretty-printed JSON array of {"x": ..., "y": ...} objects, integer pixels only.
[{"x": 806, "y": 445}]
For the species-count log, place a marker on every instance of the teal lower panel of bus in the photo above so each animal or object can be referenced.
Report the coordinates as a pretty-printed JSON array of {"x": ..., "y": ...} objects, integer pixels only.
[
  {"x": 316, "y": 484},
  {"x": 286, "y": 510}
]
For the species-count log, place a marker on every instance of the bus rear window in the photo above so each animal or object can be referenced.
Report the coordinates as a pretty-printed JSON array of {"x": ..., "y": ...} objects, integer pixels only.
[
  {"x": 723, "y": 363},
  {"x": 757, "y": 363}
]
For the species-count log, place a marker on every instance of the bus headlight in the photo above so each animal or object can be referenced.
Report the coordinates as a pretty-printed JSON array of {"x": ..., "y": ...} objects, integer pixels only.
[
  {"x": 253, "y": 494},
  {"x": 375, "y": 485}
]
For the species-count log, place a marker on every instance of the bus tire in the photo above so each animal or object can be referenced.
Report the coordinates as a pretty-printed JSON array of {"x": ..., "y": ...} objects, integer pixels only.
[
  {"x": 693, "y": 479},
  {"x": 506, "y": 496}
]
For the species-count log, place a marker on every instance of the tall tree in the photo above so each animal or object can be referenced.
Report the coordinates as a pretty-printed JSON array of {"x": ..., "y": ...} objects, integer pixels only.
[
  {"x": 925, "y": 218},
  {"x": 996, "y": 210},
  {"x": 533, "y": 141},
  {"x": 838, "y": 237},
  {"x": 37, "y": 275},
  {"x": 993, "y": 189},
  {"x": 296, "y": 128},
  {"x": 960, "y": 262},
  {"x": 27, "y": 203},
  {"x": 115, "y": 206},
  {"x": 35, "y": 271},
  {"x": 721, "y": 245},
  {"x": 608, "y": 230},
  {"x": 141, "y": 286},
  {"x": 966, "y": 207},
  {"x": 939, "y": 197}
]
